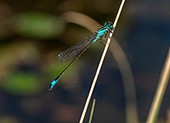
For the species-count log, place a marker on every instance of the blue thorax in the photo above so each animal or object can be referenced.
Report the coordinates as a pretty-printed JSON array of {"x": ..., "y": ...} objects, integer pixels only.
[{"x": 103, "y": 30}]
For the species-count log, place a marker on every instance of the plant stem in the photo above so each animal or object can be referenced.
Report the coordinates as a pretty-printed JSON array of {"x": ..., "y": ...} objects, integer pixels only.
[
  {"x": 163, "y": 82},
  {"x": 100, "y": 63},
  {"x": 128, "y": 81},
  {"x": 92, "y": 111}
]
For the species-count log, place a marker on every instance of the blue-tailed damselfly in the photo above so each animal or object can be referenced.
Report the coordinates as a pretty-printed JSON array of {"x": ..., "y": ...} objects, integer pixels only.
[{"x": 77, "y": 49}]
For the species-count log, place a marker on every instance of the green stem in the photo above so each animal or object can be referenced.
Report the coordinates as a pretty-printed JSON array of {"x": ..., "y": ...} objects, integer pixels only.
[{"x": 92, "y": 111}]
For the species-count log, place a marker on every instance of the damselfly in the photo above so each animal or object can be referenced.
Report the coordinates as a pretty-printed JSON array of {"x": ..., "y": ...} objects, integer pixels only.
[{"x": 77, "y": 49}]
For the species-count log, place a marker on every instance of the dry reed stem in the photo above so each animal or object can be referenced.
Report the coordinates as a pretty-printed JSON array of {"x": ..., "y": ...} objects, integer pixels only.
[
  {"x": 163, "y": 82},
  {"x": 128, "y": 81},
  {"x": 100, "y": 63}
]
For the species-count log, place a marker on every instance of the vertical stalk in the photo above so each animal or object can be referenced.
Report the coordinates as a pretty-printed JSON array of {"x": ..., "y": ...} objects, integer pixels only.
[
  {"x": 101, "y": 63},
  {"x": 163, "y": 82},
  {"x": 92, "y": 111}
]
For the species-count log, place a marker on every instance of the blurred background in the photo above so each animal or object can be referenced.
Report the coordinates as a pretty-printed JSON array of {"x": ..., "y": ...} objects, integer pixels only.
[{"x": 33, "y": 32}]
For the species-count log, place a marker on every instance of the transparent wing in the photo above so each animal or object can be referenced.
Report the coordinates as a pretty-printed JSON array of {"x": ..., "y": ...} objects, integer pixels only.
[{"x": 76, "y": 49}]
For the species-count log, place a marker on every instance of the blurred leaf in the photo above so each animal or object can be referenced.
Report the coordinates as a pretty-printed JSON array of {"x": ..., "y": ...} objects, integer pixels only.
[
  {"x": 39, "y": 25},
  {"x": 8, "y": 119},
  {"x": 22, "y": 83}
]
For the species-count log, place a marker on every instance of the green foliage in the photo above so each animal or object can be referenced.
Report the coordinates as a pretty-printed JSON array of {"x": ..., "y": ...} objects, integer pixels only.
[
  {"x": 39, "y": 25},
  {"x": 22, "y": 84}
]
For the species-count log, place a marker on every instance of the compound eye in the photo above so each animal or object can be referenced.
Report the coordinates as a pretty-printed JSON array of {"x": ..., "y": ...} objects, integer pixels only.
[
  {"x": 111, "y": 26},
  {"x": 105, "y": 23}
]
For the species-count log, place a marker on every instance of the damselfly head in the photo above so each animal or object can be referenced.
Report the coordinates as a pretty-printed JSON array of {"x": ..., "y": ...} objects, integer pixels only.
[{"x": 108, "y": 25}]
